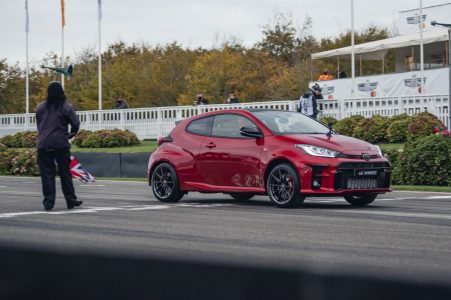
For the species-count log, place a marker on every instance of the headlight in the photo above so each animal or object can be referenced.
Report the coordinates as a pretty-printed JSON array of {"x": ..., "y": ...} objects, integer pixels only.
[
  {"x": 379, "y": 151},
  {"x": 317, "y": 151}
]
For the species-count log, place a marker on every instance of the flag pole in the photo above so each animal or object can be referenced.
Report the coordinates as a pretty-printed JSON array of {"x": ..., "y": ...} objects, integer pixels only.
[
  {"x": 63, "y": 22},
  {"x": 99, "y": 11},
  {"x": 352, "y": 50},
  {"x": 423, "y": 82},
  {"x": 27, "y": 68}
]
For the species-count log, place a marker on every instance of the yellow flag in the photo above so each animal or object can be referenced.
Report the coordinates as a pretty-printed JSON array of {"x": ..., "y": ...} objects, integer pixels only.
[{"x": 63, "y": 20}]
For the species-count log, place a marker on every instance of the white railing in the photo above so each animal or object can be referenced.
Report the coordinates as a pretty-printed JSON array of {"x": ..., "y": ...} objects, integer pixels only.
[
  {"x": 151, "y": 123},
  {"x": 389, "y": 106}
]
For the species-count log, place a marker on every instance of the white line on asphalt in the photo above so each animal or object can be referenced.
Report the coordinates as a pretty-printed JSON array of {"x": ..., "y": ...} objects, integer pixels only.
[
  {"x": 397, "y": 214},
  {"x": 89, "y": 185},
  {"x": 3, "y": 186},
  {"x": 93, "y": 209},
  {"x": 147, "y": 207},
  {"x": 201, "y": 205}
]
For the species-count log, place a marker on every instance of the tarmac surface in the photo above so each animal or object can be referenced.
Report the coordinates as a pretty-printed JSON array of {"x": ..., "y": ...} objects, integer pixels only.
[{"x": 402, "y": 234}]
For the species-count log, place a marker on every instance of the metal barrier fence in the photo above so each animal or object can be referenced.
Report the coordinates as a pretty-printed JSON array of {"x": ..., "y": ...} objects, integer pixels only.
[{"x": 151, "y": 123}]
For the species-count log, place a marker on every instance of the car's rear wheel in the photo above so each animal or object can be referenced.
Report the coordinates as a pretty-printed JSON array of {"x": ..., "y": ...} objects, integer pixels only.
[
  {"x": 283, "y": 186},
  {"x": 360, "y": 199},
  {"x": 165, "y": 183},
  {"x": 242, "y": 196}
]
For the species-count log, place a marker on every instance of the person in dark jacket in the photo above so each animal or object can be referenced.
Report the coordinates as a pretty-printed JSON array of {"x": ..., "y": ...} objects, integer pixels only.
[
  {"x": 308, "y": 102},
  {"x": 232, "y": 99},
  {"x": 121, "y": 104},
  {"x": 341, "y": 73},
  {"x": 53, "y": 117},
  {"x": 200, "y": 100}
]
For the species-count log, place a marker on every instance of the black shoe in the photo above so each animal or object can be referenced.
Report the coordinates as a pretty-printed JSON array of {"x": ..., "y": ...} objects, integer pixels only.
[
  {"x": 73, "y": 204},
  {"x": 47, "y": 205}
]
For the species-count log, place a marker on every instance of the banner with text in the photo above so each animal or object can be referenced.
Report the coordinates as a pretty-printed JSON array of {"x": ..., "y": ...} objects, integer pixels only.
[{"x": 389, "y": 85}]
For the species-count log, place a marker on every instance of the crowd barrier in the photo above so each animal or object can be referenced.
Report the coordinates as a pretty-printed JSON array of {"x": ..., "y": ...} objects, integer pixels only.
[{"x": 128, "y": 165}]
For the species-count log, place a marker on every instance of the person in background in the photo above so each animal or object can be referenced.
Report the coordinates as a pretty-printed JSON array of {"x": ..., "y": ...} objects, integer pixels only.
[
  {"x": 308, "y": 102},
  {"x": 341, "y": 73},
  {"x": 120, "y": 103},
  {"x": 200, "y": 100},
  {"x": 53, "y": 117},
  {"x": 232, "y": 99},
  {"x": 325, "y": 76}
]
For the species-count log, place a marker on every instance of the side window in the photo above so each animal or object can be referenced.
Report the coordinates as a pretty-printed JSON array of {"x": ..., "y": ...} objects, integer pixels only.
[
  {"x": 201, "y": 126},
  {"x": 229, "y": 126}
]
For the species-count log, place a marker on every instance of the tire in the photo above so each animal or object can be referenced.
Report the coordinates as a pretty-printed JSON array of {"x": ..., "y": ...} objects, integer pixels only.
[
  {"x": 360, "y": 199},
  {"x": 283, "y": 186},
  {"x": 165, "y": 184},
  {"x": 242, "y": 196}
]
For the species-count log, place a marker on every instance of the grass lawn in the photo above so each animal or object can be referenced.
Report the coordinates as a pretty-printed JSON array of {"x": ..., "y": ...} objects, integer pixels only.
[
  {"x": 421, "y": 188},
  {"x": 145, "y": 146}
]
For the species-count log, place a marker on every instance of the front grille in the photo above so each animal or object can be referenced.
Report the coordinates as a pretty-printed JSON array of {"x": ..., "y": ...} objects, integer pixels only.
[
  {"x": 357, "y": 176},
  {"x": 350, "y": 156},
  {"x": 361, "y": 184}
]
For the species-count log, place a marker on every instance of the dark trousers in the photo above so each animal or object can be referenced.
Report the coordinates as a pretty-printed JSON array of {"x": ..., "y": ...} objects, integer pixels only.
[{"x": 46, "y": 162}]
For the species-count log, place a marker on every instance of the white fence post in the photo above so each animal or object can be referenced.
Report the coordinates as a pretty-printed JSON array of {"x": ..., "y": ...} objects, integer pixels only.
[{"x": 160, "y": 122}]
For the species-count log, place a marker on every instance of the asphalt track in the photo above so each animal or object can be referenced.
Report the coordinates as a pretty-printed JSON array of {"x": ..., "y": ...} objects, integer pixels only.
[{"x": 402, "y": 234}]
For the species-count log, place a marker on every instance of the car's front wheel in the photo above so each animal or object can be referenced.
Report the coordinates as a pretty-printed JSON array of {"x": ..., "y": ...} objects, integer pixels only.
[
  {"x": 242, "y": 196},
  {"x": 165, "y": 183},
  {"x": 360, "y": 199},
  {"x": 283, "y": 186}
]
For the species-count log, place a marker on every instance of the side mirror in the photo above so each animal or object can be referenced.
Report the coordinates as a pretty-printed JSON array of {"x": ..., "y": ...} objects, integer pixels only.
[{"x": 251, "y": 131}]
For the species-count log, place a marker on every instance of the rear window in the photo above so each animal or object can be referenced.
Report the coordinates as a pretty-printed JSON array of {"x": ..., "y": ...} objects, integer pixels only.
[{"x": 201, "y": 126}]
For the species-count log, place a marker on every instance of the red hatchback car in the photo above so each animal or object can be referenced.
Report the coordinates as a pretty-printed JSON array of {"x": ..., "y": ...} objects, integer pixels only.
[{"x": 282, "y": 154}]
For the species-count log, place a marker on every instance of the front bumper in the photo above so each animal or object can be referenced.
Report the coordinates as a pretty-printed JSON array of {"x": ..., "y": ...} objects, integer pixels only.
[{"x": 345, "y": 177}]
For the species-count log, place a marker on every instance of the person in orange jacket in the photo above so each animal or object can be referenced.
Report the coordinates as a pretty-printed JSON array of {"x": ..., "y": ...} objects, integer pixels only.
[{"x": 326, "y": 75}]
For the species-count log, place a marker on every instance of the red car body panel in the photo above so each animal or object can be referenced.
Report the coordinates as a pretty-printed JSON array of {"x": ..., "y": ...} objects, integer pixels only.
[{"x": 216, "y": 164}]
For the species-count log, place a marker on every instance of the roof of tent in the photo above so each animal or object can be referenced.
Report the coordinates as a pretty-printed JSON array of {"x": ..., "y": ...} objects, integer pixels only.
[{"x": 376, "y": 50}]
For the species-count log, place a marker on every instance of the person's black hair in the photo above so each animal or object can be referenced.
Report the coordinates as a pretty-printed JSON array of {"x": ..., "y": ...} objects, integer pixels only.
[{"x": 55, "y": 94}]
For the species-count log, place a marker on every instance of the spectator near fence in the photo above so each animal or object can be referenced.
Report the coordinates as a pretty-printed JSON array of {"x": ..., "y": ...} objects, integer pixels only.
[
  {"x": 121, "y": 103},
  {"x": 326, "y": 75},
  {"x": 200, "y": 100},
  {"x": 232, "y": 99},
  {"x": 308, "y": 102}
]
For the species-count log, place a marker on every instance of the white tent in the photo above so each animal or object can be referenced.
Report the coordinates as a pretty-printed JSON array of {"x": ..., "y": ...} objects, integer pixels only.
[{"x": 376, "y": 50}]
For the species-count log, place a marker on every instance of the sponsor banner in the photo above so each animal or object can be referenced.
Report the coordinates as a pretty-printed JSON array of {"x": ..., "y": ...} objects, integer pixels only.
[
  {"x": 388, "y": 85},
  {"x": 409, "y": 21}
]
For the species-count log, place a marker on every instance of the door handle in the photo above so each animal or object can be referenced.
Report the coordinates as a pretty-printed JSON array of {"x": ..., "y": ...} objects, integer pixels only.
[{"x": 210, "y": 145}]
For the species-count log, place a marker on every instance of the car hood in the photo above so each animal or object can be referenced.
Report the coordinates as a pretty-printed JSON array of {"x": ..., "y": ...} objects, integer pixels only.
[{"x": 337, "y": 142}]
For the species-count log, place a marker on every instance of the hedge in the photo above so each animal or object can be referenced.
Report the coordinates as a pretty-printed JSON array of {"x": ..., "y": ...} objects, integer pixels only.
[
  {"x": 397, "y": 129},
  {"x": 107, "y": 139},
  {"x": 25, "y": 139},
  {"x": 18, "y": 162},
  {"x": 84, "y": 138},
  {"x": 424, "y": 161}
]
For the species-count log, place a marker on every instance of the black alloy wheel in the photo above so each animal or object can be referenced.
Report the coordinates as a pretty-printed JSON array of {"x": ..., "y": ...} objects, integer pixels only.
[
  {"x": 165, "y": 183},
  {"x": 360, "y": 199},
  {"x": 283, "y": 186}
]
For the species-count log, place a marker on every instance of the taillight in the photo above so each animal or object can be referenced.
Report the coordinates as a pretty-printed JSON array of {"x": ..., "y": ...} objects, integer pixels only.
[{"x": 162, "y": 140}]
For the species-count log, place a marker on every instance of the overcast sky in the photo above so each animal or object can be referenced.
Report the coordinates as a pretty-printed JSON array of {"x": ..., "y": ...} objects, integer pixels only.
[{"x": 191, "y": 23}]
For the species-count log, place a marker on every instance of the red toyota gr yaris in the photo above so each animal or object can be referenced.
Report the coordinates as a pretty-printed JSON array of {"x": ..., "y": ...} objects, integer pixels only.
[{"x": 282, "y": 154}]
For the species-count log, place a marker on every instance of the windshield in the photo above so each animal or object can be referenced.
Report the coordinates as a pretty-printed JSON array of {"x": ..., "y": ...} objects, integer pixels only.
[{"x": 287, "y": 122}]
